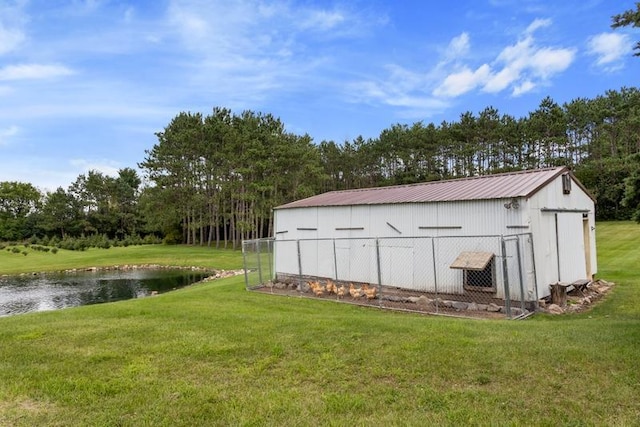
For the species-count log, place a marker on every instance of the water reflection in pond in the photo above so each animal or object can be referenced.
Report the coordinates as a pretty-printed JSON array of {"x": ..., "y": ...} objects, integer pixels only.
[{"x": 23, "y": 294}]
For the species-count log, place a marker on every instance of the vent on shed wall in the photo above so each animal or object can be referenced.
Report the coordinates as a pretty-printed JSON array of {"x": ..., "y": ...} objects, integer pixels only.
[{"x": 566, "y": 183}]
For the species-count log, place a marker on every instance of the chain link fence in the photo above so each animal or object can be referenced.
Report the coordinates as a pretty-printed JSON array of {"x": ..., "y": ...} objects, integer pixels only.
[{"x": 475, "y": 276}]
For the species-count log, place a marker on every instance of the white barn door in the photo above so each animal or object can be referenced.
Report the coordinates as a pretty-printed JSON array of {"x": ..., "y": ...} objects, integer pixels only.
[{"x": 570, "y": 245}]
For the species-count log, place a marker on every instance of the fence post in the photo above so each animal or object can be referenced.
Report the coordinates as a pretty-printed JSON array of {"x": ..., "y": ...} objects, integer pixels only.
[
  {"x": 270, "y": 245},
  {"x": 299, "y": 266},
  {"x": 244, "y": 262},
  {"x": 335, "y": 260},
  {"x": 259, "y": 263},
  {"x": 520, "y": 274},
  {"x": 435, "y": 274},
  {"x": 379, "y": 271},
  {"x": 533, "y": 264},
  {"x": 505, "y": 276}
]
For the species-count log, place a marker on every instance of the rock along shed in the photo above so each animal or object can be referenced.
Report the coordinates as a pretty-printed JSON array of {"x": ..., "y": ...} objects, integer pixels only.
[{"x": 549, "y": 206}]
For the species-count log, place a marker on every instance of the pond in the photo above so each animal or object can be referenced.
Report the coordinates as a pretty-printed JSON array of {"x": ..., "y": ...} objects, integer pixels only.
[{"x": 42, "y": 292}]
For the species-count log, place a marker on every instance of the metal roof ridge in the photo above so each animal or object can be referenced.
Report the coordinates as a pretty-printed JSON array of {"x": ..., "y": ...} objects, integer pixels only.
[
  {"x": 466, "y": 178},
  {"x": 366, "y": 196}
]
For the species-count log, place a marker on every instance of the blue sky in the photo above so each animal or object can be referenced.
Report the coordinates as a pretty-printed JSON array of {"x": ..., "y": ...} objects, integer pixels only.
[{"x": 84, "y": 84}]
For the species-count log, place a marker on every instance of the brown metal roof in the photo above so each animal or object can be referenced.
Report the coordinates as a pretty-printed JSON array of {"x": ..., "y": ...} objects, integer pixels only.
[{"x": 499, "y": 186}]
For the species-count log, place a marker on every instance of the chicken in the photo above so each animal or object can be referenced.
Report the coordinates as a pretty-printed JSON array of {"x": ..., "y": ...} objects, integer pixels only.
[
  {"x": 370, "y": 293},
  {"x": 354, "y": 292},
  {"x": 317, "y": 288},
  {"x": 331, "y": 287},
  {"x": 312, "y": 285},
  {"x": 341, "y": 291}
]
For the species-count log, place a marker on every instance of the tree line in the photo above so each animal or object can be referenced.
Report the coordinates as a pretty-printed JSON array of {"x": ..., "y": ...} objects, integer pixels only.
[{"x": 215, "y": 179}]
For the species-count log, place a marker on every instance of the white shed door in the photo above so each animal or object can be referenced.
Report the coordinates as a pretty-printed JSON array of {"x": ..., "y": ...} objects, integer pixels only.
[{"x": 571, "y": 247}]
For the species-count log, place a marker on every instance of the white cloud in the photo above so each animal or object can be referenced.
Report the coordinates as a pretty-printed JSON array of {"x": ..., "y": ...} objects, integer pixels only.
[
  {"x": 536, "y": 24},
  {"x": 10, "y": 39},
  {"x": 499, "y": 81},
  {"x": 257, "y": 48},
  {"x": 458, "y": 47},
  {"x": 33, "y": 72},
  {"x": 463, "y": 81},
  {"x": 546, "y": 62},
  {"x": 106, "y": 167},
  {"x": 249, "y": 27},
  {"x": 403, "y": 89},
  {"x": 323, "y": 19},
  {"x": 6, "y": 134},
  {"x": 411, "y": 91},
  {"x": 520, "y": 67},
  {"x": 523, "y": 87},
  {"x": 610, "y": 49},
  {"x": 11, "y": 22}
]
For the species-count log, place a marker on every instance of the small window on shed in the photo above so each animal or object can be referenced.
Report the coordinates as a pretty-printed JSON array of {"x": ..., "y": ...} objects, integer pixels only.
[
  {"x": 478, "y": 270},
  {"x": 566, "y": 183}
]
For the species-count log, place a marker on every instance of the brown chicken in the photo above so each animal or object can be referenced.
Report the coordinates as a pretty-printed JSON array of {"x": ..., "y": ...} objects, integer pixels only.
[
  {"x": 318, "y": 289},
  {"x": 370, "y": 293},
  {"x": 341, "y": 291},
  {"x": 354, "y": 292},
  {"x": 312, "y": 285},
  {"x": 331, "y": 287}
]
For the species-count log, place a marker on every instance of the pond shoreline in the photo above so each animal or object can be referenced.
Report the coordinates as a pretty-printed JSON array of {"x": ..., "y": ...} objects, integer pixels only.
[
  {"x": 214, "y": 273},
  {"x": 60, "y": 289}
]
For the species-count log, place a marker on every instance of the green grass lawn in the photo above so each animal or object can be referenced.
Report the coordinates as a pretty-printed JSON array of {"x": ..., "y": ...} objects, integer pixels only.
[
  {"x": 174, "y": 255},
  {"x": 215, "y": 354}
]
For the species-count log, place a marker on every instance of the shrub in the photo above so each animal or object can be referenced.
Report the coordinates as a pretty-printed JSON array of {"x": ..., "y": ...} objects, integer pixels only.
[
  {"x": 150, "y": 239},
  {"x": 54, "y": 250},
  {"x": 172, "y": 238},
  {"x": 25, "y": 253},
  {"x": 15, "y": 250}
]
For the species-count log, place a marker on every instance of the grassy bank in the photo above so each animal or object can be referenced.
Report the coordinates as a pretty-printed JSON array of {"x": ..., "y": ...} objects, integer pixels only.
[
  {"x": 176, "y": 255},
  {"x": 214, "y": 354}
]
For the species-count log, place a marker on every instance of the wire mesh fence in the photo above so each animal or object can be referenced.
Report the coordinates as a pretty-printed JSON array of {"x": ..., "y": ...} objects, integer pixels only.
[{"x": 475, "y": 276}]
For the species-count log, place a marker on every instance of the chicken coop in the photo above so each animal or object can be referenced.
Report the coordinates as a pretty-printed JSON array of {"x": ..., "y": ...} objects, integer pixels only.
[{"x": 506, "y": 236}]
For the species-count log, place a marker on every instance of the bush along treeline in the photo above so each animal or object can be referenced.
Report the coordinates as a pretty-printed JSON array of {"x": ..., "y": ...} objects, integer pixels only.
[
  {"x": 81, "y": 243},
  {"x": 215, "y": 179}
]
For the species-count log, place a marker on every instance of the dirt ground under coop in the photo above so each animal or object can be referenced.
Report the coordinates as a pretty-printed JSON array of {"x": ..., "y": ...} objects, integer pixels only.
[
  {"x": 471, "y": 304},
  {"x": 474, "y": 305}
]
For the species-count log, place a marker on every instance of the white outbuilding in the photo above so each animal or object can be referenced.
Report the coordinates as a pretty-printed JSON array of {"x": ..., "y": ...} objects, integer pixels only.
[{"x": 504, "y": 233}]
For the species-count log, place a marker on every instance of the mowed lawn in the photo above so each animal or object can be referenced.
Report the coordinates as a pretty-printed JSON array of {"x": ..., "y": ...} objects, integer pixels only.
[
  {"x": 215, "y": 354},
  {"x": 175, "y": 255}
]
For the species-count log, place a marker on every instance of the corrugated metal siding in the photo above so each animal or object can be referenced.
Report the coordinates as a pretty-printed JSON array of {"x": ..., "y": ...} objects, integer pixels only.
[
  {"x": 572, "y": 264},
  {"x": 406, "y": 267},
  {"x": 416, "y": 219}
]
